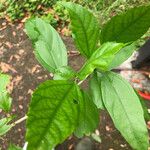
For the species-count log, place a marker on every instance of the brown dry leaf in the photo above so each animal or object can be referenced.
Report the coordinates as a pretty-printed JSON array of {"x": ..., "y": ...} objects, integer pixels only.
[
  {"x": 65, "y": 31},
  {"x": 10, "y": 59},
  {"x": 10, "y": 87},
  {"x": 1, "y": 52},
  {"x": 148, "y": 125},
  {"x": 14, "y": 33},
  {"x": 20, "y": 26},
  {"x": 34, "y": 68},
  {"x": 4, "y": 24},
  {"x": 9, "y": 44},
  {"x": 6, "y": 68},
  {"x": 30, "y": 91},
  {"x": 3, "y": 28},
  {"x": 20, "y": 98},
  {"x": 8, "y": 19},
  {"x": 17, "y": 79},
  {"x": 17, "y": 57},
  {"x": 51, "y": 11},
  {"x": 40, "y": 78},
  {"x": 70, "y": 147},
  {"x": 25, "y": 18},
  {"x": 21, "y": 107},
  {"x": 21, "y": 51},
  {"x": 1, "y": 36}
]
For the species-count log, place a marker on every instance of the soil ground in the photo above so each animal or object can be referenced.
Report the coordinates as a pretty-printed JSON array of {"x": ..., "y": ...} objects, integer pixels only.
[{"x": 17, "y": 60}]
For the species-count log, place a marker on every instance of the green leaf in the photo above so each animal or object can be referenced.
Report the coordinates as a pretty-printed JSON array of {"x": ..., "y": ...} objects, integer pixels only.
[
  {"x": 128, "y": 26},
  {"x": 89, "y": 116},
  {"x": 125, "y": 110},
  {"x": 5, "y": 100},
  {"x": 145, "y": 109},
  {"x": 96, "y": 137},
  {"x": 122, "y": 56},
  {"x": 53, "y": 114},
  {"x": 4, "y": 81},
  {"x": 85, "y": 28},
  {"x": 100, "y": 59},
  {"x": 14, "y": 147},
  {"x": 50, "y": 50},
  {"x": 31, "y": 30},
  {"x": 64, "y": 73},
  {"x": 4, "y": 127},
  {"x": 95, "y": 89}
]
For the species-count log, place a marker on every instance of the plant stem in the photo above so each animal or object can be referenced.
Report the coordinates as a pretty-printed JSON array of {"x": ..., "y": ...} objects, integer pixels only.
[
  {"x": 80, "y": 82},
  {"x": 19, "y": 121}
]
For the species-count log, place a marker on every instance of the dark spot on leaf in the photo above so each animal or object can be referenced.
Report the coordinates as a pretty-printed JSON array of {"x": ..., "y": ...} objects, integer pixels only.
[{"x": 75, "y": 101}]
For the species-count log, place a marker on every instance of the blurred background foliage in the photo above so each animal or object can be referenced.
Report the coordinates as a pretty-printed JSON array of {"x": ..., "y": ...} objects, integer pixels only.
[{"x": 16, "y": 10}]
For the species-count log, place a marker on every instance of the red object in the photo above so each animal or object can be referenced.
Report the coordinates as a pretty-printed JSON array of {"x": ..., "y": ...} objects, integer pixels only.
[{"x": 145, "y": 96}]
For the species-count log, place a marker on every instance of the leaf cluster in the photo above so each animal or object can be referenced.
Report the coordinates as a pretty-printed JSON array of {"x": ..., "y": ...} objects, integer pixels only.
[{"x": 61, "y": 107}]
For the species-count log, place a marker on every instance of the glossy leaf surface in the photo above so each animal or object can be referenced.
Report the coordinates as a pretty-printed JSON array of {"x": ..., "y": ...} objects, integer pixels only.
[{"x": 100, "y": 59}]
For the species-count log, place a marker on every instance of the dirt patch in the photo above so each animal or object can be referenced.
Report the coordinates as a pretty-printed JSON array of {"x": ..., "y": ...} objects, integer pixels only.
[{"x": 17, "y": 60}]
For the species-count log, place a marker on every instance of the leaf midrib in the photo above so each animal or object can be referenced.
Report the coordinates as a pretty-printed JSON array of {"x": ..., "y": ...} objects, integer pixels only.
[
  {"x": 43, "y": 61},
  {"x": 38, "y": 143},
  {"x": 126, "y": 114},
  {"x": 47, "y": 45},
  {"x": 133, "y": 22},
  {"x": 117, "y": 35},
  {"x": 84, "y": 31}
]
